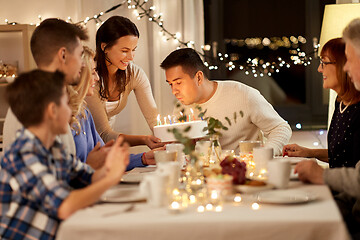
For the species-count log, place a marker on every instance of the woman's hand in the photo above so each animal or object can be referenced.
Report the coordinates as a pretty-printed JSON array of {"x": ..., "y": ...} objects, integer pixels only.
[
  {"x": 117, "y": 159},
  {"x": 294, "y": 150},
  {"x": 96, "y": 157},
  {"x": 148, "y": 157},
  {"x": 152, "y": 142}
]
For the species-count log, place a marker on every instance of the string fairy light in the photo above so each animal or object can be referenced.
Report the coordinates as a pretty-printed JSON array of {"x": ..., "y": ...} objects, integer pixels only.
[{"x": 255, "y": 66}]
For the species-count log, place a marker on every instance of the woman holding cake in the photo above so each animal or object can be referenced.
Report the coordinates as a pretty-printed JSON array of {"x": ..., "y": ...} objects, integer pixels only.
[
  {"x": 116, "y": 42},
  {"x": 344, "y": 132},
  {"x": 85, "y": 136}
]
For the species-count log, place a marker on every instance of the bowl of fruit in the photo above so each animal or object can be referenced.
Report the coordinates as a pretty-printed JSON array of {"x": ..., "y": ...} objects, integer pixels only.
[{"x": 235, "y": 168}]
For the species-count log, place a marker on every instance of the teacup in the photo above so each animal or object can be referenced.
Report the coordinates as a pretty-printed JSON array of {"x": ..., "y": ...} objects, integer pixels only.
[
  {"x": 279, "y": 172},
  {"x": 155, "y": 187},
  {"x": 172, "y": 169},
  {"x": 179, "y": 148},
  {"x": 165, "y": 156}
]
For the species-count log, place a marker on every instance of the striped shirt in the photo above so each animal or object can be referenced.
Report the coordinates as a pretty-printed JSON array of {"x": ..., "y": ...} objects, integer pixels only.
[{"x": 33, "y": 183}]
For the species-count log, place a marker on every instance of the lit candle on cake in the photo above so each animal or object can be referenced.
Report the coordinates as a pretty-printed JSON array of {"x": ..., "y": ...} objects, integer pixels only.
[
  {"x": 165, "y": 121},
  {"x": 182, "y": 115},
  {"x": 158, "y": 120},
  {"x": 192, "y": 114},
  {"x": 169, "y": 119}
]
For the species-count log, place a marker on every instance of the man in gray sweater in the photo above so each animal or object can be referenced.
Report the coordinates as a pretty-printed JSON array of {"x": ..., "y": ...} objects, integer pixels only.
[{"x": 345, "y": 181}]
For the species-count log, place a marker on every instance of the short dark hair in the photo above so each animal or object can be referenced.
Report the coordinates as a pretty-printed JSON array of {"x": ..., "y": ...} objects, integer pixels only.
[
  {"x": 188, "y": 59},
  {"x": 51, "y": 35},
  {"x": 109, "y": 32},
  {"x": 31, "y": 92}
]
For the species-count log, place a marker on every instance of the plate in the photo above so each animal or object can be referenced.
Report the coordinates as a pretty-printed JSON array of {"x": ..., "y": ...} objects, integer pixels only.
[
  {"x": 285, "y": 197},
  {"x": 132, "y": 178},
  {"x": 294, "y": 160},
  {"x": 253, "y": 189},
  {"x": 137, "y": 174},
  {"x": 122, "y": 195}
]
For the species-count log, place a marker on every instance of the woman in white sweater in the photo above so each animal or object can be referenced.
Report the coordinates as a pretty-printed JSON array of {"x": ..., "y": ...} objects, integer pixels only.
[{"x": 116, "y": 41}]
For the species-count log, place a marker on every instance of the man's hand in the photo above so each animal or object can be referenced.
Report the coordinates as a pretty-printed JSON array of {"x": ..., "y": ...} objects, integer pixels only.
[
  {"x": 148, "y": 157},
  {"x": 294, "y": 150},
  {"x": 152, "y": 142},
  {"x": 310, "y": 171}
]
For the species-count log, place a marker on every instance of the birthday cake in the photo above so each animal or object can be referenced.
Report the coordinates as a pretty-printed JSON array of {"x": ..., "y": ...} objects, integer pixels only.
[{"x": 196, "y": 130}]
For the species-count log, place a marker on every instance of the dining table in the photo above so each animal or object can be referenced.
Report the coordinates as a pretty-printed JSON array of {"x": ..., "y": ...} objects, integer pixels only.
[{"x": 248, "y": 219}]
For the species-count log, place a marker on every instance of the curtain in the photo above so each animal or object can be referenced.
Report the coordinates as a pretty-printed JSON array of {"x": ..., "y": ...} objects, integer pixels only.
[{"x": 183, "y": 16}]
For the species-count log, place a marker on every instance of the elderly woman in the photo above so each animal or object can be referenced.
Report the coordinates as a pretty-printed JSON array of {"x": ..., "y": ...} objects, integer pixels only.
[{"x": 344, "y": 132}]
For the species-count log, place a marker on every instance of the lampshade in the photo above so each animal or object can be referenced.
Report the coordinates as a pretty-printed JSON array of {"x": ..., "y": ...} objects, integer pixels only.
[{"x": 336, "y": 18}]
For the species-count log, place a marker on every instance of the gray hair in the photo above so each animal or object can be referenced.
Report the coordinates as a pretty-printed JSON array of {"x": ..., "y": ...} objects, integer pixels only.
[{"x": 352, "y": 34}]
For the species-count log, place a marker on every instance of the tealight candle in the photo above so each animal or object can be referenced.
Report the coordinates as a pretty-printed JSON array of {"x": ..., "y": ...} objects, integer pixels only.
[
  {"x": 209, "y": 207},
  {"x": 218, "y": 208},
  {"x": 237, "y": 198},
  {"x": 255, "y": 206},
  {"x": 175, "y": 207},
  {"x": 192, "y": 199},
  {"x": 201, "y": 209}
]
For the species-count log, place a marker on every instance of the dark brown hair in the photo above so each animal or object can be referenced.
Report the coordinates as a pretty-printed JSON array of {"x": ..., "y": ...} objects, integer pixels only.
[
  {"x": 51, "y": 35},
  {"x": 188, "y": 59},
  {"x": 31, "y": 92},
  {"x": 334, "y": 49},
  {"x": 109, "y": 32}
]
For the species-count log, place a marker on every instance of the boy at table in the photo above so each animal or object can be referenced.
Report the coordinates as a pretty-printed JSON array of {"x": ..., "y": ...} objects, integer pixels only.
[
  {"x": 37, "y": 175},
  {"x": 186, "y": 74},
  {"x": 345, "y": 180}
]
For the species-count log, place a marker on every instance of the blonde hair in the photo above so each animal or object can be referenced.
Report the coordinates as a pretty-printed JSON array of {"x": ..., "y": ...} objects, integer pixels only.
[{"x": 78, "y": 93}]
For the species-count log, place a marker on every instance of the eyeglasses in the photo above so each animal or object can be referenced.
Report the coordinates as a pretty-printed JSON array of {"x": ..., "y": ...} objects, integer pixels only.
[{"x": 322, "y": 63}]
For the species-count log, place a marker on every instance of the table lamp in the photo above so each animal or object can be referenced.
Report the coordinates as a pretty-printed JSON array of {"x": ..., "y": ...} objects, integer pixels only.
[{"x": 336, "y": 18}]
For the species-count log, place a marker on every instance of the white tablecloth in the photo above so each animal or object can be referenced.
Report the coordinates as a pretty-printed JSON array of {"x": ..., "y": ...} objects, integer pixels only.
[{"x": 318, "y": 220}]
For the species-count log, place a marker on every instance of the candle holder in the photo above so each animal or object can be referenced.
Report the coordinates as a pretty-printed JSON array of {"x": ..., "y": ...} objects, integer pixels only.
[{"x": 178, "y": 201}]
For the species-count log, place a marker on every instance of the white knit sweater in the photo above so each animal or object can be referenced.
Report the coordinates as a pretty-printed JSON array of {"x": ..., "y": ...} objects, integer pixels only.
[{"x": 258, "y": 114}]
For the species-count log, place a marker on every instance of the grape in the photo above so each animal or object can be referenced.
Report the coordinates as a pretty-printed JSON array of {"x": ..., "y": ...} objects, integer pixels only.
[{"x": 234, "y": 168}]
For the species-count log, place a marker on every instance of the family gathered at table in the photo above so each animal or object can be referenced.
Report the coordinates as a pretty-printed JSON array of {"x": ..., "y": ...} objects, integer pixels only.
[{"x": 63, "y": 159}]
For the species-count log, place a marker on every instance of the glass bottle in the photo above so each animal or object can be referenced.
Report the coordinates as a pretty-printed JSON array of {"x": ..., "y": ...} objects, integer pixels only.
[{"x": 215, "y": 151}]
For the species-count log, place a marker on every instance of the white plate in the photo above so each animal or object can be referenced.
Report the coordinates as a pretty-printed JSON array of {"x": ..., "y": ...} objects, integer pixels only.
[
  {"x": 290, "y": 196},
  {"x": 120, "y": 195},
  {"x": 132, "y": 178},
  {"x": 252, "y": 189},
  {"x": 295, "y": 160},
  {"x": 137, "y": 174}
]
